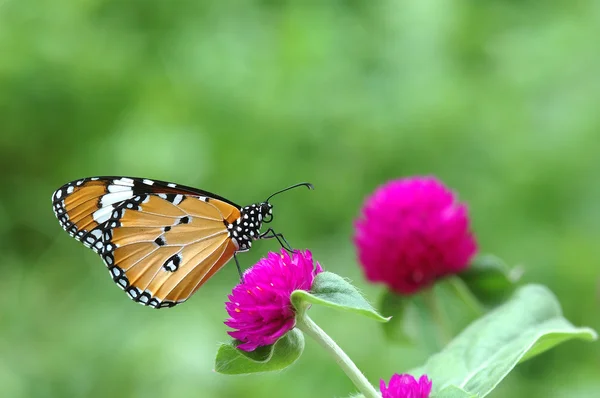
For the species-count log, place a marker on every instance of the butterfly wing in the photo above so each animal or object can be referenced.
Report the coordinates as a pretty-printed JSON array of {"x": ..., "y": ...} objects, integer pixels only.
[{"x": 160, "y": 241}]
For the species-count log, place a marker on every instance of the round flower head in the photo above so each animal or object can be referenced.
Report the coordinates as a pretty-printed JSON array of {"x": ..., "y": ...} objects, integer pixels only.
[
  {"x": 411, "y": 232},
  {"x": 259, "y": 308},
  {"x": 405, "y": 386}
]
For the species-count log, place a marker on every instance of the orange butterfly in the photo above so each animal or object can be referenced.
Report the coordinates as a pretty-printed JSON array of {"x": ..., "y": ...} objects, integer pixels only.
[{"x": 160, "y": 241}]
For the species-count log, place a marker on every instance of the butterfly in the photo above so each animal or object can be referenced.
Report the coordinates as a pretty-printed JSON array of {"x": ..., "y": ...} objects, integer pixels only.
[{"x": 160, "y": 241}]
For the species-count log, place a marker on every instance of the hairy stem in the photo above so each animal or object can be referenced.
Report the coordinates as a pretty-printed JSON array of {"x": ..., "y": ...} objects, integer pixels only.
[{"x": 306, "y": 325}]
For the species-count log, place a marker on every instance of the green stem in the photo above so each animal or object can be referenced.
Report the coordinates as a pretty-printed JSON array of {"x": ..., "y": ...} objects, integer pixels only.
[
  {"x": 437, "y": 314},
  {"x": 305, "y": 324}
]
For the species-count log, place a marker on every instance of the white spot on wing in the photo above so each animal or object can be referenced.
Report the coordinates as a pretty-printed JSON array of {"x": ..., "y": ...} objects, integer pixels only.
[
  {"x": 103, "y": 214},
  {"x": 112, "y": 198},
  {"x": 177, "y": 200},
  {"x": 124, "y": 181},
  {"x": 70, "y": 189},
  {"x": 148, "y": 182},
  {"x": 118, "y": 188},
  {"x": 171, "y": 185},
  {"x": 58, "y": 194}
]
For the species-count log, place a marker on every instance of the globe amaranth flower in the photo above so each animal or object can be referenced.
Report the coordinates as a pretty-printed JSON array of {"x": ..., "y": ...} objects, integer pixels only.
[
  {"x": 259, "y": 308},
  {"x": 411, "y": 232},
  {"x": 406, "y": 386}
]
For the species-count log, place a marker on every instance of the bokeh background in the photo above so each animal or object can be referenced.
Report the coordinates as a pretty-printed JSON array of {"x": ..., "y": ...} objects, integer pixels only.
[{"x": 500, "y": 99}]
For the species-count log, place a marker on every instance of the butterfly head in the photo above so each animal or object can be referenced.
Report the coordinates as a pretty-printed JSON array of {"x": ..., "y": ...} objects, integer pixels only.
[
  {"x": 247, "y": 227},
  {"x": 266, "y": 212}
]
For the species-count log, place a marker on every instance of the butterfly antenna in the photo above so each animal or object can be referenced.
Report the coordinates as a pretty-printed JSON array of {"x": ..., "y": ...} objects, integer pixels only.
[{"x": 301, "y": 184}]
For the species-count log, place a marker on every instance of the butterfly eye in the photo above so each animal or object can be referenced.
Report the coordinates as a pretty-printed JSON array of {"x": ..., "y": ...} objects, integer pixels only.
[{"x": 266, "y": 210}]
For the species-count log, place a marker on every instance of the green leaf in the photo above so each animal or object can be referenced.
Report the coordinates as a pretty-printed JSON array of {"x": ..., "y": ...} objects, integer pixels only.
[
  {"x": 490, "y": 279},
  {"x": 395, "y": 306},
  {"x": 331, "y": 290},
  {"x": 232, "y": 361},
  {"x": 485, "y": 352},
  {"x": 453, "y": 392}
]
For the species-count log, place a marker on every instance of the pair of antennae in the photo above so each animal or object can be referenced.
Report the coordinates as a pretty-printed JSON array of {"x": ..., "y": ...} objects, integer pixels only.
[{"x": 301, "y": 184}]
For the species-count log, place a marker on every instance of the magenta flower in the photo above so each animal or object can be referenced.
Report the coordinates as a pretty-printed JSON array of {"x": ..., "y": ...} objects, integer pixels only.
[
  {"x": 406, "y": 386},
  {"x": 412, "y": 232},
  {"x": 259, "y": 308}
]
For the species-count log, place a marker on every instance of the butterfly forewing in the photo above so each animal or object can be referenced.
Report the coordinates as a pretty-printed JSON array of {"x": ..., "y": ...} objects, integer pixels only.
[{"x": 160, "y": 241}]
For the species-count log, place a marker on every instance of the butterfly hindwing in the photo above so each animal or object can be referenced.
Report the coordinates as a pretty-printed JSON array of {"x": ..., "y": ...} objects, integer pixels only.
[{"x": 160, "y": 241}]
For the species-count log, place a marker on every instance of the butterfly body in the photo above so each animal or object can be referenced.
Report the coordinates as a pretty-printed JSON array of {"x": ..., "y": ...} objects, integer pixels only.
[{"x": 160, "y": 241}]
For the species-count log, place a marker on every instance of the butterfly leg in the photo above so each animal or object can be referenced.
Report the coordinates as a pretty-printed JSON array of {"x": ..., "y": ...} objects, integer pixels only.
[
  {"x": 237, "y": 263},
  {"x": 270, "y": 234}
]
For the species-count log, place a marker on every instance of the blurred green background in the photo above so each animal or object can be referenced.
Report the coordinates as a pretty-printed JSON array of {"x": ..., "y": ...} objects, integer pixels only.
[{"x": 500, "y": 99}]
